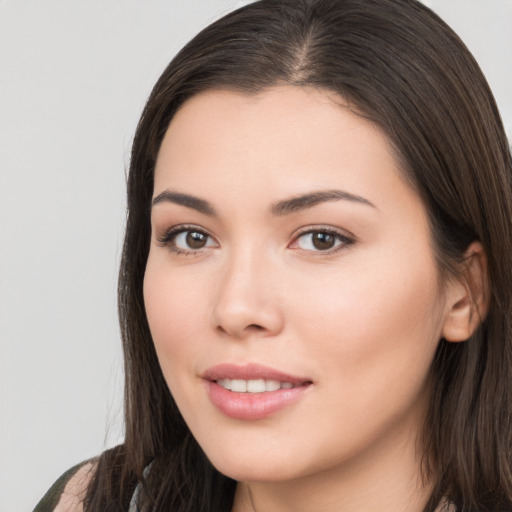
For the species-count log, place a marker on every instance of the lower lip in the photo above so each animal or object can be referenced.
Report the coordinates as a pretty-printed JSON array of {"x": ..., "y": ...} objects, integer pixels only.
[{"x": 253, "y": 406}]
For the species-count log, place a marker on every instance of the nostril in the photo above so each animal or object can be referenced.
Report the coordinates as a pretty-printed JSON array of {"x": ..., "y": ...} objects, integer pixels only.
[
  {"x": 247, "y": 329},
  {"x": 255, "y": 327}
]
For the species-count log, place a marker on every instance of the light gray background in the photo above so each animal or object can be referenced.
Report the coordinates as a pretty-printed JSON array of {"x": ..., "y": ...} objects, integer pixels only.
[{"x": 74, "y": 76}]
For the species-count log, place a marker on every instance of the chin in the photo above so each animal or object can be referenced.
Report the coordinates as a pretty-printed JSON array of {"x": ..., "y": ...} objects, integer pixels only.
[
  {"x": 255, "y": 471},
  {"x": 253, "y": 464}
]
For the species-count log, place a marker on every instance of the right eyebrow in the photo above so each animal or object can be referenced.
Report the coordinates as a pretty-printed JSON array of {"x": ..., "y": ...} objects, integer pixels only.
[{"x": 186, "y": 200}]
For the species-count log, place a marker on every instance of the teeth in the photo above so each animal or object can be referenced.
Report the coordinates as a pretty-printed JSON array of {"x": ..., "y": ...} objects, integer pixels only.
[
  {"x": 253, "y": 385},
  {"x": 256, "y": 386},
  {"x": 239, "y": 386},
  {"x": 225, "y": 383},
  {"x": 272, "y": 385}
]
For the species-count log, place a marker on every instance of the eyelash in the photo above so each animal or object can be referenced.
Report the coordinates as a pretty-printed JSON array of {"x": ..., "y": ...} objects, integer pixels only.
[
  {"x": 167, "y": 239},
  {"x": 344, "y": 239}
]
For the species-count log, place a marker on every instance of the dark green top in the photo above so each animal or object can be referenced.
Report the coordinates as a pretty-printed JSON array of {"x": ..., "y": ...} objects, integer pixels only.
[{"x": 52, "y": 497}]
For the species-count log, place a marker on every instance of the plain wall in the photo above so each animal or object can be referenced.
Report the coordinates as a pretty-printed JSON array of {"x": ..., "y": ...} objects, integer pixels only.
[{"x": 74, "y": 76}]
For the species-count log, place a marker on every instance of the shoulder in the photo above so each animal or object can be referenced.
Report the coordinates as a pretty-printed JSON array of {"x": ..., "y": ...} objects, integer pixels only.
[
  {"x": 75, "y": 490},
  {"x": 68, "y": 492}
]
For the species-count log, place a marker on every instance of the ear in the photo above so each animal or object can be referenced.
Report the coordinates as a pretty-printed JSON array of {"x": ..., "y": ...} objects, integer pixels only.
[{"x": 467, "y": 296}]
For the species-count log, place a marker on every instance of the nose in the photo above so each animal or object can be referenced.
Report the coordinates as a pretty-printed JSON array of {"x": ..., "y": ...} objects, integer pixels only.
[{"x": 246, "y": 302}]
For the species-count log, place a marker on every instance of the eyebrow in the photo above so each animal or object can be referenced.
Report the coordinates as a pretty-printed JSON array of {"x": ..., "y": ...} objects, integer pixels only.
[
  {"x": 201, "y": 205},
  {"x": 286, "y": 207},
  {"x": 304, "y": 201}
]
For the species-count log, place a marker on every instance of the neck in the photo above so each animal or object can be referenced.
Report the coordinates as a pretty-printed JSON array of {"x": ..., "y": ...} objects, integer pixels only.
[{"x": 385, "y": 478}]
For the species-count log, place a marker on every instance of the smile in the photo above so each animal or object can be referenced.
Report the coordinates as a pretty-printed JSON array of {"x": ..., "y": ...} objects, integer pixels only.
[
  {"x": 252, "y": 392},
  {"x": 253, "y": 385}
]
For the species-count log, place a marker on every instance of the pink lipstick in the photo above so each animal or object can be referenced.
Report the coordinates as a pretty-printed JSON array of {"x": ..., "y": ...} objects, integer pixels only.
[{"x": 252, "y": 392}]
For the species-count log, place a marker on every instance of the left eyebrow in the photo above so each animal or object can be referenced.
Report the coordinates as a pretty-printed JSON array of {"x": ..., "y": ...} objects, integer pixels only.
[{"x": 302, "y": 202}]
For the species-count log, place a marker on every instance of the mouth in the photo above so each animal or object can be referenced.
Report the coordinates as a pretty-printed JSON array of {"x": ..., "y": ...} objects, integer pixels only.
[
  {"x": 253, "y": 392},
  {"x": 253, "y": 385}
]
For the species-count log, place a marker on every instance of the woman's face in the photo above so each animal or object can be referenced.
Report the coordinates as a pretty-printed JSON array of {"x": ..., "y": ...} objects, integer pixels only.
[{"x": 291, "y": 287}]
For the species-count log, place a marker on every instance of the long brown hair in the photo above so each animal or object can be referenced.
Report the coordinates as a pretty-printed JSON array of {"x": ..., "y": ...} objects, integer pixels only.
[{"x": 399, "y": 65}]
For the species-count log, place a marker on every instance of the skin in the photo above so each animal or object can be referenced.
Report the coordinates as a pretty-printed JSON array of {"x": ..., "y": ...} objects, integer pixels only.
[
  {"x": 75, "y": 491},
  {"x": 362, "y": 321}
]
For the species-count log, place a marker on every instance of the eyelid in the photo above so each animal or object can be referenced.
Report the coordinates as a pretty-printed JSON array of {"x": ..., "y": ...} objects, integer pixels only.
[
  {"x": 345, "y": 236},
  {"x": 166, "y": 238}
]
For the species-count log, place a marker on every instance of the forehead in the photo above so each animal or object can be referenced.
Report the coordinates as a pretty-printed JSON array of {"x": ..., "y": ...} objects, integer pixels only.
[{"x": 289, "y": 133}]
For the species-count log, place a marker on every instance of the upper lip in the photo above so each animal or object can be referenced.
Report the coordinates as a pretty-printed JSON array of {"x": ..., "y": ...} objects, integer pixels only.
[{"x": 251, "y": 372}]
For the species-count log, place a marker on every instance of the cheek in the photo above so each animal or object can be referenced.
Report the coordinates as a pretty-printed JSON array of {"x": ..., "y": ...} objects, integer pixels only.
[
  {"x": 373, "y": 344},
  {"x": 174, "y": 307},
  {"x": 366, "y": 299},
  {"x": 168, "y": 309},
  {"x": 373, "y": 328}
]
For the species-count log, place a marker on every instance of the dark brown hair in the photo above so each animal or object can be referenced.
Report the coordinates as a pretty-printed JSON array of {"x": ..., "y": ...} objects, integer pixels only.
[{"x": 399, "y": 65}]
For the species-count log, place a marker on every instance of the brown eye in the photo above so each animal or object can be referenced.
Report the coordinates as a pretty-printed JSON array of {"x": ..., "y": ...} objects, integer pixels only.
[
  {"x": 321, "y": 241},
  {"x": 182, "y": 240},
  {"x": 196, "y": 240}
]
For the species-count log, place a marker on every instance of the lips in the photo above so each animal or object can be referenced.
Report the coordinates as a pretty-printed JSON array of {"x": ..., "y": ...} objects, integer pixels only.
[{"x": 252, "y": 392}]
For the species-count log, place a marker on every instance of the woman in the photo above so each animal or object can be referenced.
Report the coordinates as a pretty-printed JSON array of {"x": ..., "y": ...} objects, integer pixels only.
[{"x": 315, "y": 292}]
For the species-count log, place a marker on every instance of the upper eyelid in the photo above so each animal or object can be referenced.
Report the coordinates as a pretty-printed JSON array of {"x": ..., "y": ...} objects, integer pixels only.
[
  {"x": 313, "y": 228},
  {"x": 302, "y": 230},
  {"x": 170, "y": 233},
  {"x": 180, "y": 228},
  {"x": 345, "y": 238},
  {"x": 322, "y": 228},
  {"x": 167, "y": 240}
]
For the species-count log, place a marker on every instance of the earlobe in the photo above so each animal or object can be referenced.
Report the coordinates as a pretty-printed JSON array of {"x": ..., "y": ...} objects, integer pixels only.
[{"x": 468, "y": 296}]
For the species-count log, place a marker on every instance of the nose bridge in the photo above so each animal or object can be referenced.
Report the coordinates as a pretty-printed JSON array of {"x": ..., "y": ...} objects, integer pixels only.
[{"x": 246, "y": 300}]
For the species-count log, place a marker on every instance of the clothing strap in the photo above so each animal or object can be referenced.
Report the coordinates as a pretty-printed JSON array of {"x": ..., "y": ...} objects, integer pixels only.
[
  {"x": 134, "y": 506},
  {"x": 51, "y": 498}
]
